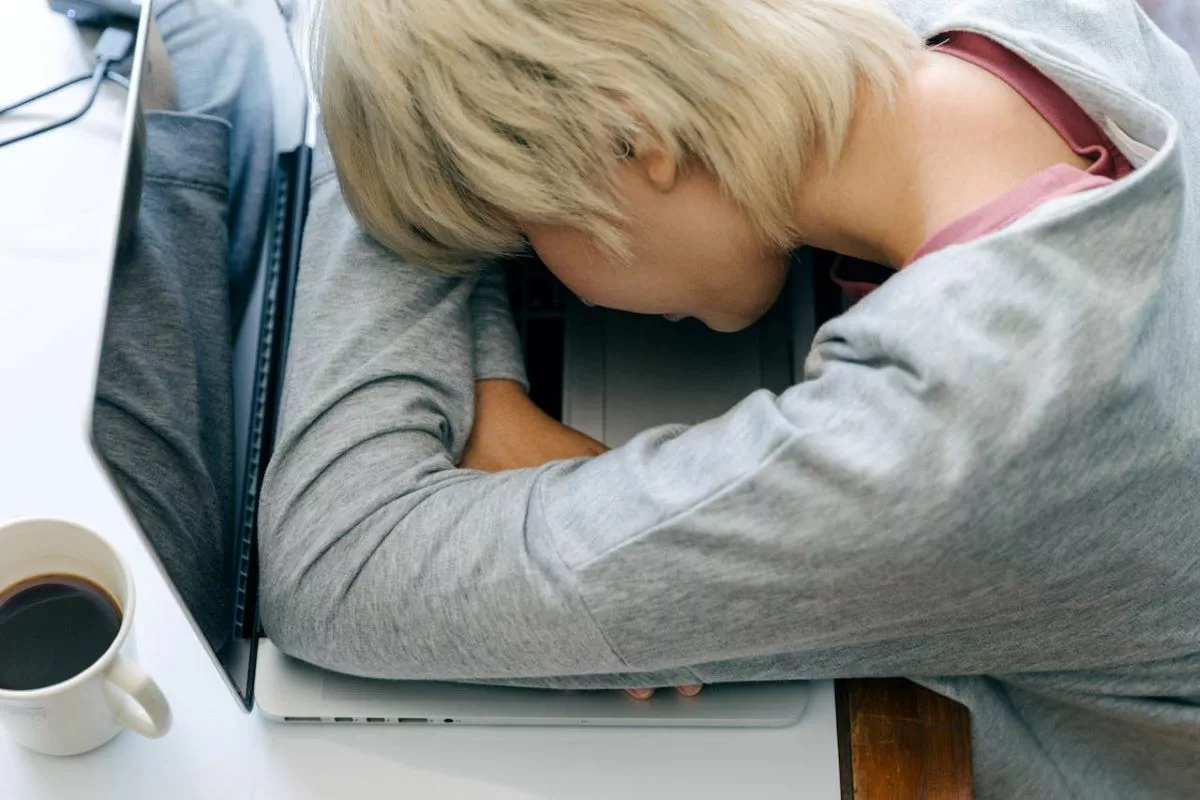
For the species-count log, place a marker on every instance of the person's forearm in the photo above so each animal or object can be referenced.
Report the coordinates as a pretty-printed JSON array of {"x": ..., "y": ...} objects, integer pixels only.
[
  {"x": 379, "y": 556},
  {"x": 510, "y": 432}
]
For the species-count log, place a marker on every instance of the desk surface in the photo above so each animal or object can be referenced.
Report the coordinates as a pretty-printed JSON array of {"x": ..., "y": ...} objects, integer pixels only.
[{"x": 58, "y": 206}]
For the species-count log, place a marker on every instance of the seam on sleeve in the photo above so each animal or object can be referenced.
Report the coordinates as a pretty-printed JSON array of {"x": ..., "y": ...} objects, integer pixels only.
[
  {"x": 587, "y": 609},
  {"x": 688, "y": 668},
  {"x": 427, "y": 492},
  {"x": 1038, "y": 741},
  {"x": 218, "y": 190},
  {"x": 691, "y": 509},
  {"x": 771, "y": 456}
]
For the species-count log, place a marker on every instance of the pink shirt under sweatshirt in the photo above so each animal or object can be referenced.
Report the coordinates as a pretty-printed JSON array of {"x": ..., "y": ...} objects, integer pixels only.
[{"x": 1077, "y": 129}]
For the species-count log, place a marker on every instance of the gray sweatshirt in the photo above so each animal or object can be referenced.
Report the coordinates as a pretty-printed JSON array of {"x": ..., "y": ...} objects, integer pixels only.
[{"x": 989, "y": 480}]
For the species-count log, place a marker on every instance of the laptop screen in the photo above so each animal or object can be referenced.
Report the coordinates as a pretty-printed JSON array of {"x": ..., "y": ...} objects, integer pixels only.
[{"x": 182, "y": 411}]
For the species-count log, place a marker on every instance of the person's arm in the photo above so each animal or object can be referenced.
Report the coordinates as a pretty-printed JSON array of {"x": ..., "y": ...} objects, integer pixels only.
[
  {"x": 911, "y": 509},
  {"x": 377, "y": 411}
]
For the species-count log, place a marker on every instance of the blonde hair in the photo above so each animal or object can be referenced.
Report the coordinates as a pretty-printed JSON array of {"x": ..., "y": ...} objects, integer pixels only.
[{"x": 453, "y": 121}]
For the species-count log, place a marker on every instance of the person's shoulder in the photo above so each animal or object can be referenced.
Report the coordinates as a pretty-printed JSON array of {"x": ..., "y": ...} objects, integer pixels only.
[{"x": 1080, "y": 259}]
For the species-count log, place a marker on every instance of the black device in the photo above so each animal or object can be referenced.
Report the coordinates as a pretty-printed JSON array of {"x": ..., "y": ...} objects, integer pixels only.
[{"x": 99, "y": 13}]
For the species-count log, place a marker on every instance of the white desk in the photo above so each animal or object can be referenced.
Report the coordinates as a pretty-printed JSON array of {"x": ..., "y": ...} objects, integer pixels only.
[{"x": 58, "y": 208}]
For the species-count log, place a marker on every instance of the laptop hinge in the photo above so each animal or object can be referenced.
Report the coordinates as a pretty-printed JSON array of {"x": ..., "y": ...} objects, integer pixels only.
[{"x": 288, "y": 209}]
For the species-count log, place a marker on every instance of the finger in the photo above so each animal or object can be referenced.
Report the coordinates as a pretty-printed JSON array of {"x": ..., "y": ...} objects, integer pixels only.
[
  {"x": 691, "y": 690},
  {"x": 640, "y": 694}
]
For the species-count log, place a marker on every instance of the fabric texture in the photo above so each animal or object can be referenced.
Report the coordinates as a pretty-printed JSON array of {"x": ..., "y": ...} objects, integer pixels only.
[{"x": 987, "y": 481}]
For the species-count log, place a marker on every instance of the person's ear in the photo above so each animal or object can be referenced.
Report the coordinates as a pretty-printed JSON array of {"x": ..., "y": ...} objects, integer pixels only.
[
  {"x": 659, "y": 166},
  {"x": 650, "y": 155}
]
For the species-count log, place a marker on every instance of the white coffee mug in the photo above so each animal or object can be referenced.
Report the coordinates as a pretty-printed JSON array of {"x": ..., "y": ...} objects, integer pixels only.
[{"x": 91, "y": 707}]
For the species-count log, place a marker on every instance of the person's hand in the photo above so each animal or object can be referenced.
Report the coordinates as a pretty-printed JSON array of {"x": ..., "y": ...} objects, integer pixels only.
[{"x": 510, "y": 432}]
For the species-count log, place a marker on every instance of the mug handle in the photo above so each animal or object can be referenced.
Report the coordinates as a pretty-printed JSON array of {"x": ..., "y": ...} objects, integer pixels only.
[{"x": 137, "y": 702}]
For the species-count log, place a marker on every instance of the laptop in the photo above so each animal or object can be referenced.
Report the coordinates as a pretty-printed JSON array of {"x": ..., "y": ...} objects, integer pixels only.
[{"x": 187, "y": 402}]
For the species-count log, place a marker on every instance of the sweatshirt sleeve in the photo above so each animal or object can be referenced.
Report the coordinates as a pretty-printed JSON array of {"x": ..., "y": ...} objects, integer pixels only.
[
  {"x": 494, "y": 341},
  {"x": 495, "y": 348},
  {"x": 926, "y": 503}
]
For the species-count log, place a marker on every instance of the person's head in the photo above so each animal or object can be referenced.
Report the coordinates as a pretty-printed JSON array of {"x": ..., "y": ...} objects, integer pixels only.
[{"x": 650, "y": 151}]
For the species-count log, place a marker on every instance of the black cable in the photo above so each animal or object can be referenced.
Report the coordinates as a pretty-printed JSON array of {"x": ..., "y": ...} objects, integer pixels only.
[
  {"x": 115, "y": 77},
  {"x": 51, "y": 90},
  {"x": 93, "y": 90},
  {"x": 112, "y": 46}
]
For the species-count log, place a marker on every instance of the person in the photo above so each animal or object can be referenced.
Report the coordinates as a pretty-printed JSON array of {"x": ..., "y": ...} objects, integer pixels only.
[{"x": 986, "y": 481}]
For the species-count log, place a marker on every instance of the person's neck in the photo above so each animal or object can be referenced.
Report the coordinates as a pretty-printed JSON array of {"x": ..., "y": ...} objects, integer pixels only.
[{"x": 954, "y": 139}]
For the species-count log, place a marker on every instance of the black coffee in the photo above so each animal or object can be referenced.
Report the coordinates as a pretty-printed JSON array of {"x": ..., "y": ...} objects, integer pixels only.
[{"x": 52, "y": 628}]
